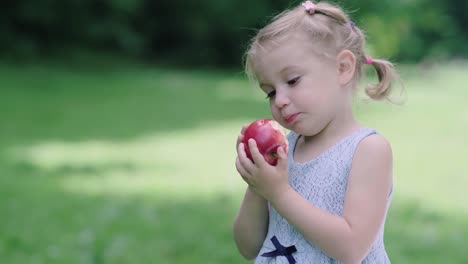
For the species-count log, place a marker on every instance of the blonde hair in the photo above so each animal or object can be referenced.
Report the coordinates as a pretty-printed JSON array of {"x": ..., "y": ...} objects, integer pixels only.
[{"x": 328, "y": 25}]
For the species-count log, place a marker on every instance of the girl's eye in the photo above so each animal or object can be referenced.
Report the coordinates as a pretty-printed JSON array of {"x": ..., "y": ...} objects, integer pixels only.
[
  {"x": 271, "y": 94},
  {"x": 293, "y": 81}
]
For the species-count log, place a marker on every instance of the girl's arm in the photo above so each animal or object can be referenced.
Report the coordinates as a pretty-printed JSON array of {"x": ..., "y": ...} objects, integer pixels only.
[
  {"x": 346, "y": 238},
  {"x": 251, "y": 224}
]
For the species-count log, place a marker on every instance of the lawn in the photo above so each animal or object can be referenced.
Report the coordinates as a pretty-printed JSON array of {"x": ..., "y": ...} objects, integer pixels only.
[{"x": 135, "y": 164}]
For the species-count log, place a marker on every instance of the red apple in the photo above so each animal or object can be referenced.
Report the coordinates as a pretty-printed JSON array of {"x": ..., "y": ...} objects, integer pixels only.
[{"x": 269, "y": 136}]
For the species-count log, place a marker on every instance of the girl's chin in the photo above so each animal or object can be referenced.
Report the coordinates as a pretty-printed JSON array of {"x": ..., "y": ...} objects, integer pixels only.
[{"x": 304, "y": 131}]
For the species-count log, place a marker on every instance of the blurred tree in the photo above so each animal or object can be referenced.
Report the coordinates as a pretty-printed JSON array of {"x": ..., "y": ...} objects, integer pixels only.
[{"x": 216, "y": 33}]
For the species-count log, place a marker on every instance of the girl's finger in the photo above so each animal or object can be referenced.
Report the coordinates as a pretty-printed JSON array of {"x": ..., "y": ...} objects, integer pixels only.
[
  {"x": 239, "y": 139},
  {"x": 282, "y": 157},
  {"x": 242, "y": 171},
  {"x": 244, "y": 127},
  {"x": 282, "y": 153},
  {"x": 244, "y": 161},
  {"x": 257, "y": 157},
  {"x": 241, "y": 136}
]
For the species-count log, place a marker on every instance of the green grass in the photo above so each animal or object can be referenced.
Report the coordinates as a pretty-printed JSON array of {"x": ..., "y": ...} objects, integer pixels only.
[{"x": 131, "y": 164}]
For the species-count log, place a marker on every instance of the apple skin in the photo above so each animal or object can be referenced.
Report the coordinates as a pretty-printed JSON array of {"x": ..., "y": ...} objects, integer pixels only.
[{"x": 269, "y": 136}]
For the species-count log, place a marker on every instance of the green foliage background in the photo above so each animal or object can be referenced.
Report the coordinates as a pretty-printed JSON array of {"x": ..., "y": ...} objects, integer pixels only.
[{"x": 215, "y": 33}]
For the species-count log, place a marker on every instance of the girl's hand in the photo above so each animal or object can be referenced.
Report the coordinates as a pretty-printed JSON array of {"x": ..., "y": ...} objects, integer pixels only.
[
  {"x": 267, "y": 180},
  {"x": 241, "y": 136}
]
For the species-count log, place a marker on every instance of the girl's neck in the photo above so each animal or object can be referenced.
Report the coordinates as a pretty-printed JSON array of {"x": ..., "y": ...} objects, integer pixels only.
[
  {"x": 310, "y": 147},
  {"x": 333, "y": 131}
]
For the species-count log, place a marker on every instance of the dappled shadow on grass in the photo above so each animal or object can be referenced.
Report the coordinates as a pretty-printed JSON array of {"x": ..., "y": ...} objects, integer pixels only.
[{"x": 42, "y": 221}]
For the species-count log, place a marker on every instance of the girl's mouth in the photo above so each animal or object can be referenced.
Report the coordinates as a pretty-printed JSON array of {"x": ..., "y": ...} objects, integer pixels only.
[{"x": 291, "y": 118}]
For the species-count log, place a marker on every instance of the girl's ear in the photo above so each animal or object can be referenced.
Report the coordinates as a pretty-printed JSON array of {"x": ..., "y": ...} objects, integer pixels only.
[{"x": 346, "y": 66}]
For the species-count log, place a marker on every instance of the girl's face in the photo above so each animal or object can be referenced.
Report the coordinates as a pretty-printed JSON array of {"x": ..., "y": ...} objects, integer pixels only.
[{"x": 302, "y": 87}]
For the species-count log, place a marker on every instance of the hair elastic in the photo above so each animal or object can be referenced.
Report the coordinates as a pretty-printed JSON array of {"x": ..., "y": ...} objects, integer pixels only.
[
  {"x": 309, "y": 7},
  {"x": 369, "y": 60}
]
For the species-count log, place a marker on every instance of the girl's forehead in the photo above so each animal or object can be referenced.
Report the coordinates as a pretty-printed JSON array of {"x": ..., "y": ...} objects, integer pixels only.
[
  {"x": 280, "y": 54},
  {"x": 290, "y": 46},
  {"x": 293, "y": 54}
]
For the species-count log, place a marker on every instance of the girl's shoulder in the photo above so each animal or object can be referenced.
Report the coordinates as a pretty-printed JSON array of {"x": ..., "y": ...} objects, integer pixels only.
[
  {"x": 374, "y": 144},
  {"x": 373, "y": 159}
]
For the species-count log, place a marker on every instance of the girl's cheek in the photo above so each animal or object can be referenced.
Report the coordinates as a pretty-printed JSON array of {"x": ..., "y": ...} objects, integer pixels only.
[{"x": 277, "y": 115}]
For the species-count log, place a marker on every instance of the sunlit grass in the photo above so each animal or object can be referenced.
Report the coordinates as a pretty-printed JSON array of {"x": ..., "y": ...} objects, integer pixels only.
[{"x": 169, "y": 163}]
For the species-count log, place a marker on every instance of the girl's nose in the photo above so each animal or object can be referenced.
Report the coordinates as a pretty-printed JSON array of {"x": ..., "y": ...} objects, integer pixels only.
[{"x": 281, "y": 99}]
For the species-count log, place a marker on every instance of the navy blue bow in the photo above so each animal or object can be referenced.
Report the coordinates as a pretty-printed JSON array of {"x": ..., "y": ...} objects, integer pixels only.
[{"x": 281, "y": 251}]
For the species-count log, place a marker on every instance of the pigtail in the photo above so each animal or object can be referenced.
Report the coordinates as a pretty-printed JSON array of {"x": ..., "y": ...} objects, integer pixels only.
[{"x": 386, "y": 74}]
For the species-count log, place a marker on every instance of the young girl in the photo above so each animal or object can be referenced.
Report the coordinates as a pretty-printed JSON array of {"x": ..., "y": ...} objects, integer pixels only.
[{"x": 326, "y": 200}]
